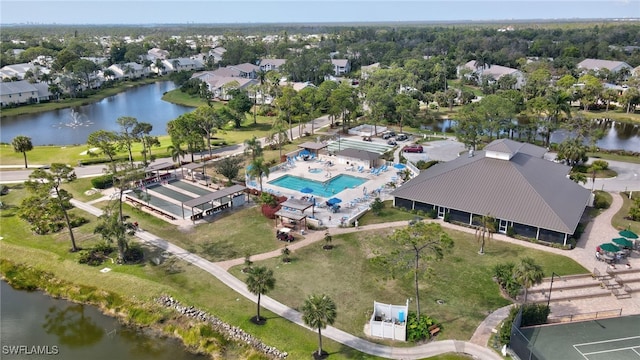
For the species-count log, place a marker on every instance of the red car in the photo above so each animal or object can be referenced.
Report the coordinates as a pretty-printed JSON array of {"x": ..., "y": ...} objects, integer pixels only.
[{"x": 413, "y": 148}]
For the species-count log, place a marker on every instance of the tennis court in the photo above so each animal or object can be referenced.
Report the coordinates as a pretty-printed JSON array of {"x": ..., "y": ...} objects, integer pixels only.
[{"x": 600, "y": 339}]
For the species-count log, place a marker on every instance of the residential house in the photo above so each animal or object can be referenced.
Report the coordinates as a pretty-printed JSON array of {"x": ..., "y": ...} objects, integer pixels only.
[
  {"x": 227, "y": 71},
  {"x": 219, "y": 86},
  {"x": 340, "y": 66},
  {"x": 246, "y": 70},
  {"x": 130, "y": 70},
  {"x": 271, "y": 64},
  {"x": 23, "y": 92},
  {"x": 597, "y": 65},
  {"x": 17, "y": 71},
  {"x": 180, "y": 64},
  {"x": 367, "y": 70},
  {"x": 509, "y": 181},
  {"x": 494, "y": 72},
  {"x": 156, "y": 53},
  {"x": 217, "y": 53}
]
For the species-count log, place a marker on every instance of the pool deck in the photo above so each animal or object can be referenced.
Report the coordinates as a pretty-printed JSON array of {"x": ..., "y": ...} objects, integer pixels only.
[{"x": 353, "y": 199}]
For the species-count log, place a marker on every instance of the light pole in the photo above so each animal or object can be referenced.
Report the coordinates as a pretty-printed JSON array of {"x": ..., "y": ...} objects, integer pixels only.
[{"x": 553, "y": 274}]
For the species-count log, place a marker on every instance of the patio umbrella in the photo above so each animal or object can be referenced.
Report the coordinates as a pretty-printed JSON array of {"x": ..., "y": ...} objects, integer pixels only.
[
  {"x": 628, "y": 234},
  {"x": 306, "y": 190},
  {"x": 623, "y": 242},
  {"x": 400, "y": 166},
  {"x": 609, "y": 247},
  {"x": 334, "y": 201}
]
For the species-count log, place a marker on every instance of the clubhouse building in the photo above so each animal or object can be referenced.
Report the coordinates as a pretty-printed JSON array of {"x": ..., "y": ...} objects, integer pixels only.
[{"x": 509, "y": 181}]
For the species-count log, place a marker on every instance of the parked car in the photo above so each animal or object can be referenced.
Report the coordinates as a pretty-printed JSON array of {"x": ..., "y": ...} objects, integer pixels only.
[
  {"x": 413, "y": 148},
  {"x": 401, "y": 137},
  {"x": 388, "y": 134},
  {"x": 391, "y": 142}
]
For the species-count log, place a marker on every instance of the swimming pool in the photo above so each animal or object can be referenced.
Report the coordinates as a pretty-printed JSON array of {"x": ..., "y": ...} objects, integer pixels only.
[{"x": 325, "y": 189}]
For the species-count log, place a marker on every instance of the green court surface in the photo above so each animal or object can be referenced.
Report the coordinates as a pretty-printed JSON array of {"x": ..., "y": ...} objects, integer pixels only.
[{"x": 601, "y": 339}]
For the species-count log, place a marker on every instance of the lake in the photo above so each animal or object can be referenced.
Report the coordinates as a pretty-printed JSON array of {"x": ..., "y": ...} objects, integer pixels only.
[
  {"x": 36, "y": 326},
  {"x": 617, "y": 135},
  {"x": 58, "y": 127}
]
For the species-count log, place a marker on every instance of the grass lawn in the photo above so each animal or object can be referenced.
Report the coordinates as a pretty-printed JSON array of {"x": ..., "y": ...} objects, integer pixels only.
[
  {"x": 619, "y": 222},
  {"x": 388, "y": 214},
  {"x": 145, "y": 281},
  {"x": 347, "y": 274},
  {"x": 450, "y": 357},
  {"x": 615, "y": 157}
]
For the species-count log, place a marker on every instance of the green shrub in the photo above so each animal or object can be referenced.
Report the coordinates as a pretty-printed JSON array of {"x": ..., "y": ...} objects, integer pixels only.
[
  {"x": 418, "y": 329},
  {"x": 505, "y": 329},
  {"x": 600, "y": 201},
  {"x": 77, "y": 221},
  {"x": 97, "y": 160},
  {"x": 534, "y": 314},
  {"x": 511, "y": 232},
  {"x": 102, "y": 182},
  {"x": 423, "y": 165},
  {"x": 447, "y": 217},
  {"x": 503, "y": 274},
  {"x": 601, "y": 164},
  {"x": 134, "y": 253},
  {"x": 432, "y": 213}
]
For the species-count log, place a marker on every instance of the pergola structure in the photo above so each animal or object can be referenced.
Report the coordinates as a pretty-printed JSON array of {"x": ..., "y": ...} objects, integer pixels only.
[
  {"x": 216, "y": 201},
  {"x": 193, "y": 166},
  {"x": 293, "y": 210},
  {"x": 314, "y": 147},
  {"x": 152, "y": 173}
]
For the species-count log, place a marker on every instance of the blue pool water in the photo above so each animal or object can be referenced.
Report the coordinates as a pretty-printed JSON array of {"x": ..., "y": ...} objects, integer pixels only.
[{"x": 327, "y": 189}]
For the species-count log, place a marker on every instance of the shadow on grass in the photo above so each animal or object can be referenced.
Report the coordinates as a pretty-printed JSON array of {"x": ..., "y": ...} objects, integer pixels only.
[{"x": 214, "y": 251}]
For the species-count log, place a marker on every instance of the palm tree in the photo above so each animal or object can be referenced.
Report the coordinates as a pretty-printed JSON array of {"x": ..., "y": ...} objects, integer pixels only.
[
  {"x": 254, "y": 146},
  {"x": 285, "y": 254},
  {"x": 527, "y": 274},
  {"x": 319, "y": 311},
  {"x": 258, "y": 168},
  {"x": 176, "y": 152},
  {"x": 22, "y": 144},
  {"x": 260, "y": 281},
  {"x": 487, "y": 225},
  {"x": 558, "y": 103}
]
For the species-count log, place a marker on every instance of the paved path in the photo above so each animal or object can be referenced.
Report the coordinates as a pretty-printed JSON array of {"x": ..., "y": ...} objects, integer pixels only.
[
  {"x": 220, "y": 271},
  {"x": 597, "y": 232}
]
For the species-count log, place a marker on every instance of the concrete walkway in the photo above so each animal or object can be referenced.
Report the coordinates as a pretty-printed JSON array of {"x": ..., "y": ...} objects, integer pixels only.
[
  {"x": 597, "y": 232},
  {"x": 220, "y": 271}
]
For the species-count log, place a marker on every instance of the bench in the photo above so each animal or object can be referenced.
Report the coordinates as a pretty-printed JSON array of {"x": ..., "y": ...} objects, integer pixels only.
[{"x": 434, "y": 330}]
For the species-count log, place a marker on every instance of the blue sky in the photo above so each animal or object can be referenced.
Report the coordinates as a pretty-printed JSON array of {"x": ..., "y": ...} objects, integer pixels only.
[{"x": 304, "y": 11}]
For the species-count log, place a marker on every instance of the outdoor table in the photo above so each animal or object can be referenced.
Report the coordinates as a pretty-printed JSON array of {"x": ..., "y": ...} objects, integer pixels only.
[{"x": 607, "y": 258}]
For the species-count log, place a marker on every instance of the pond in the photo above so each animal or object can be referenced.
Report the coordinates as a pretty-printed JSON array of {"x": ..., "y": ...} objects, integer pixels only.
[
  {"x": 36, "y": 326},
  {"x": 73, "y": 125}
]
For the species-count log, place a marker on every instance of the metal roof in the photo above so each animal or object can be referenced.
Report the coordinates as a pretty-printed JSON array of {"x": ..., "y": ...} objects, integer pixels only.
[
  {"x": 513, "y": 147},
  {"x": 290, "y": 215},
  {"x": 526, "y": 189},
  {"x": 214, "y": 196},
  {"x": 159, "y": 166},
  {"x": 193, "y": 165},
  {"x": 297, "y": 204},
  {"x": 359, "y": 154},
  {"x": 313, "y": 145}
]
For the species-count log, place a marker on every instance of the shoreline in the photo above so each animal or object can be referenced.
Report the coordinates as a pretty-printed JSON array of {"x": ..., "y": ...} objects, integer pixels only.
[{"x": 167, "y": 323}]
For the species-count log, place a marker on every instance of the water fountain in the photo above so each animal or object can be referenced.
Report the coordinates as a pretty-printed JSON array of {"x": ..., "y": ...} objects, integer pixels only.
[{"x": 76, "y": 121}]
